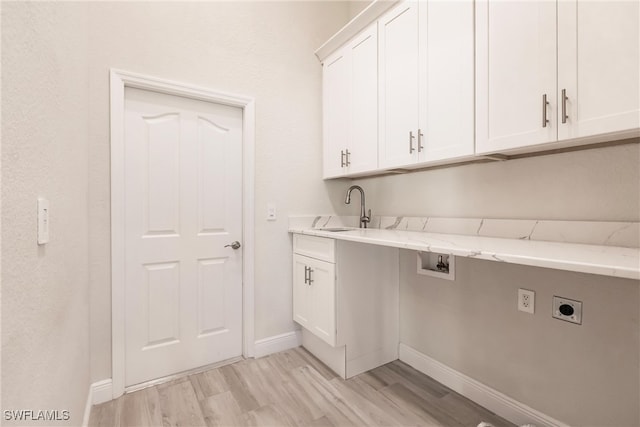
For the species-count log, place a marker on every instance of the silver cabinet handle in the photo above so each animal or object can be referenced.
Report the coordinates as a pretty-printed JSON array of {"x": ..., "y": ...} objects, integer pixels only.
[
  {"x": 544, "y": 110},
  {"x": 234, "y": 245},
  {"x": 348, "y": 162},
  {"x": 564, "y": 106},
  {"x": 411, "y": 138},
  {"x": 341, "y": 158},
  {"x": 306, "y": 270},
  {"x": 420, "y": 135},
  {"x": 310, "y": 280}
]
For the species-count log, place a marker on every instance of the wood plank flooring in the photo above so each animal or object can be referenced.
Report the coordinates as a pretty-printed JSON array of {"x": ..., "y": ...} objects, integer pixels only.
[{"x": 293, "y": 388}]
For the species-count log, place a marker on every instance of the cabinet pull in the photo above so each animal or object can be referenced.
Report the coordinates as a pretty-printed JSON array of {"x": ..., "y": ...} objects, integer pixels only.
[
  {"x": 310, "y": 280},
  {"x": 306, "y": 270},
  {"x": 341, "y": 158},
  {"x": 411, "y": 138},
  {"x": 544, "y": 110},
  {"x": 564, "y": 106},
  {"x": 420, "y": 135},
  {"x": 348, "y": 162}
]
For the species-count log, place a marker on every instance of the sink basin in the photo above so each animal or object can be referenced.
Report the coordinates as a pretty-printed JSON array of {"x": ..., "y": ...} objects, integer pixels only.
[{"x": 335, "y": 229}]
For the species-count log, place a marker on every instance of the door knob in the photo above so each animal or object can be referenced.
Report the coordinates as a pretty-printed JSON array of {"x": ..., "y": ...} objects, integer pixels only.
[{"x": 234, "y": 245}]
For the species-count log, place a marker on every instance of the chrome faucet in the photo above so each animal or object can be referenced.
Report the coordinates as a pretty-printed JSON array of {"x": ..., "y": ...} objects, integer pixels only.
[{"x": 364, "y": 218}]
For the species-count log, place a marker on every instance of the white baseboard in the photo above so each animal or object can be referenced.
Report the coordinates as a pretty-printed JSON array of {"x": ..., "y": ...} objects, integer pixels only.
[
  {"x": 99, "y": 392},
  {"x": 277, "y": 343},
  {"x": 102, "y": 391},
  {"x": 498, "y": 403}
]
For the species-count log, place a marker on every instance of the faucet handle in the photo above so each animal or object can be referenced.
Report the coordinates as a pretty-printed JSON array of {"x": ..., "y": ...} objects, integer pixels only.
[{"x": 366, "y": 219}]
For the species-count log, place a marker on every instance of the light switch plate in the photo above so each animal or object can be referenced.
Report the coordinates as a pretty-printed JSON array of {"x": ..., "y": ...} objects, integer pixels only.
[
  {"x": 43, "y": 221},
  {"x": 271, "y": 212}
]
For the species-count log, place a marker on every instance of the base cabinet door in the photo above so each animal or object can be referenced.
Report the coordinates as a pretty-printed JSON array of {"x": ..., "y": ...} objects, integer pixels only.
[
  {"x": 322, "y": 300},
  {"x": 314, "y": 297},
  {"x": 301, "y": 309}
]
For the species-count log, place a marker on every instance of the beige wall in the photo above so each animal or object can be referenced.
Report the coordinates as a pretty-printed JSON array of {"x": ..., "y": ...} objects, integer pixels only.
[
  {"x": 357, "y": 6},
  {"x": 261, "y": 49},
  {"x": 45, "y": 293},
  {"x": 583, "y": 375}
]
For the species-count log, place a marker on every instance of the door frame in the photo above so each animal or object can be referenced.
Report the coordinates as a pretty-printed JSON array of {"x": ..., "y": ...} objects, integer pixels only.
[{"x": 119, "y": 81}]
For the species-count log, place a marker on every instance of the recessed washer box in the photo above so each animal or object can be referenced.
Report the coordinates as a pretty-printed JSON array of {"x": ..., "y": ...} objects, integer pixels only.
[
  {"x": 442, "y": 266},
  {"x": 567, "y": 309}
]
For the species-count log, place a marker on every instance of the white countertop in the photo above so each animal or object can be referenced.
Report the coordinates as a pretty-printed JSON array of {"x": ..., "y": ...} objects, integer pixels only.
[{"x": 604, "y": 260}]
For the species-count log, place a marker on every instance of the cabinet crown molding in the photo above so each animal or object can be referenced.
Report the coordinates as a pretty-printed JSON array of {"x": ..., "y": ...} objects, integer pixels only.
[{"x": 353, "y": 27}]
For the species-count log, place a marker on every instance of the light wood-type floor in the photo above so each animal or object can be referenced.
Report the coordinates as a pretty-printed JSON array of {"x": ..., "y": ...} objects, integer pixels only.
[{"x": 293, "y": 388}]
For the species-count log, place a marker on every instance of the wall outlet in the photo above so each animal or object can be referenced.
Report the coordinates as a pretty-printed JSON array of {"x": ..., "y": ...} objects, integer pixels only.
[
  {"x": 526, "y": 301},
  {"x": 567, "y": 309}
]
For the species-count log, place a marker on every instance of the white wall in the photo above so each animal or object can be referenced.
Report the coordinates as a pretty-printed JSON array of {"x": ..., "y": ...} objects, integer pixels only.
[
  {"x": 45, "y": 293},
  {"x": 259, "y": 49}
]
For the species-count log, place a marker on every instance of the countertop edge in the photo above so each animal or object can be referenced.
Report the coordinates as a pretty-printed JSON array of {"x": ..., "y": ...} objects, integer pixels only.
[{"x": 615, "y": 260}]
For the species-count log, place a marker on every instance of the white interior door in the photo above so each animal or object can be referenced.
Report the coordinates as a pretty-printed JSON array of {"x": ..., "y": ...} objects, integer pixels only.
[{"x": 183, "y": 204}]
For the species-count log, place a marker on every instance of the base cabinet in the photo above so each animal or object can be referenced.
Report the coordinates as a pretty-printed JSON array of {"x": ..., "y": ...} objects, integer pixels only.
[{"x": 348, "y": 308}]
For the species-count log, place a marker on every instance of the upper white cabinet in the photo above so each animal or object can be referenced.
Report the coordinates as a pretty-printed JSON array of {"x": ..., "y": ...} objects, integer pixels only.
[
  {"x": 598, "y": 67},
  {"x": 549, "y": 71},
  {"x": 447, "y": 95},
  {"x": 426, "y": 82},
  {"x": 515, "y": 74},
  {"x": 350, "y": 102},
  {"x": 399, "y": 86}
]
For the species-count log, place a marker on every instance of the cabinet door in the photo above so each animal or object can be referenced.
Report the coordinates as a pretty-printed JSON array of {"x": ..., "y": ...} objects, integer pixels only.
[
  {"x": 599, "y": 66},
  {"x": 363, "y": 144},
  {"x": 447, "y": 53},
  {"x": 336, "y": 101},
  {"x": 301, "y": 309},
  {"x": 322, "y": 299},
  {"x": 398, "y": 68},
  {"x": 516, "y": 68}
]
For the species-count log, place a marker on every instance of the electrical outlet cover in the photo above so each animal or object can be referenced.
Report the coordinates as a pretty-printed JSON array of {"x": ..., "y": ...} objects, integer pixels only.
[{"x": 526, "y": 301}]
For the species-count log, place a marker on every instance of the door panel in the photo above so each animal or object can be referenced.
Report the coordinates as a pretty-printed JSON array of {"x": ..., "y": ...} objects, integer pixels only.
[
  {"x": 447, "y": 56},
  {"x": 301, "y": 311},
  {"x": 336, "y": 103},
  {"x": 183, "y": 204},
  {"x": 363, "y": 144},
  {"x": 601, "y": 97},
  {"x": 162, "y": 309},
  {"x": 398, "y": 49},
  {"x": 515, "y": 66},
  {"x": 323, "y": 300}
]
